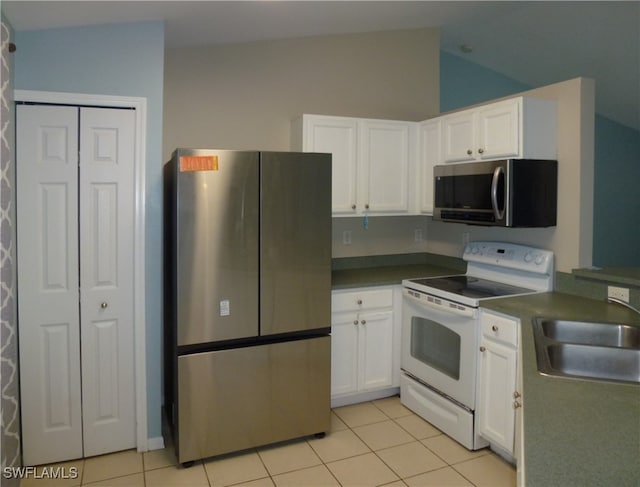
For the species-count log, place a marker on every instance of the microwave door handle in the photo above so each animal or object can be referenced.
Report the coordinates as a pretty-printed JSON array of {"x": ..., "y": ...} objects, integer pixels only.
[{"x": 494, "y": 193}]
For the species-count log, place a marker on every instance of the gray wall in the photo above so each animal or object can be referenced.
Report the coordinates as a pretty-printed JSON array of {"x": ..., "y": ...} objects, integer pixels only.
[{"x": 244, "y": 96}]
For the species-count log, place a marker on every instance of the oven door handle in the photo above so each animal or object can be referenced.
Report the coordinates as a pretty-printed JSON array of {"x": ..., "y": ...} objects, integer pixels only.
[
  {"x": 494, "y": 193},
  {"x": 438, "y": 304}
]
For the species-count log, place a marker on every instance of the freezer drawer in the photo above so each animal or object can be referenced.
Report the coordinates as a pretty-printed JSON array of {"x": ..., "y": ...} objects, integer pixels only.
[{"x": 240, "y": 398}]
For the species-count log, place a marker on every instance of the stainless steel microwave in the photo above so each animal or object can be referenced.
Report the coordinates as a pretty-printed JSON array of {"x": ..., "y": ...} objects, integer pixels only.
[{"x": 508, "y": 193}]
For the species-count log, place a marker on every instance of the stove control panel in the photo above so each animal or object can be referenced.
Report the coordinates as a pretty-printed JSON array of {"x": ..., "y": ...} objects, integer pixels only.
[{"x": 508, "y": 255}]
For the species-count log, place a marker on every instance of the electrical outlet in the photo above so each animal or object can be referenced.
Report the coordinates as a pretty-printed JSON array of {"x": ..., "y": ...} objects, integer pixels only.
[
  {"x": 417, "y": 235},
  {"x": 618, "y": 293},
  {"x": 346, "y": 237}
]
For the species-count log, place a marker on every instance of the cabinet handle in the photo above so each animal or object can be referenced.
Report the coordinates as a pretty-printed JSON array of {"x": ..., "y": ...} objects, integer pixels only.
[
  {"x": 469, "y": 152},
  {"x": 355, "y": 322},
  {"x": 104, "y": 305},
  {"x": 516, "y": 404},
  {"x": 482, "y": 349},
  {"x": 481, "y": 151},
  {"x": 516, "y": 394},
  {"x": 353, "y": 207},
  {"x": 494, "y": 328},
  {"x": 363, "y": 322},
  {"x": 359, "y": 301},
  {"x": 366, "y": 207}
]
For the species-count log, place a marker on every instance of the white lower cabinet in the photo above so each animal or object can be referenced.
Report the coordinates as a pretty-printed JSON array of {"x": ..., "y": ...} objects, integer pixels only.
[
  {"x": 363, "y": 344},
  {"x": 498, "y": 398}
]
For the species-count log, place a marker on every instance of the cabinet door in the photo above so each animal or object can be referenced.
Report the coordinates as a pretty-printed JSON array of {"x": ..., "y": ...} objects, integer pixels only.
[
  {"x": 384, "y": 162},
  {"x": 458, "y": 137},
  {"x": 344, "y": 353},
  {"x": 519, "y": 427},
  {"x": 337, "y": 136},
  {"x": 496, "y": 415},
  {"x": 498, "y": 130},
  {"x": 376, "y": 350},
  {"x": 429, "y": 157}
]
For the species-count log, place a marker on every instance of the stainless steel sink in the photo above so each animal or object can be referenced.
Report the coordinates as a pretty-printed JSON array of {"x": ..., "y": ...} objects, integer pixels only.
[
  {"x": 608, "y": 363},
  {"x": 587, "y": 350},
  {"x": 590, "y": 333}
]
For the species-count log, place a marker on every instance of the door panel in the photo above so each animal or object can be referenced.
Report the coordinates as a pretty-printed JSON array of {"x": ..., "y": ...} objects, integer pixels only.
[
  {"x": 57, "y": 386},
  {"x": 106, "y": 263},
  {"x": 385, "y": 150},
  {"x": 295, "y": 251},
  {"x": 376, "y": 331},
  {"x": 344, "y": 353},
  {"x": 216, "y": 239},
  {"x": 338, "y": 137},
  {"x": 47, "y": 213}
]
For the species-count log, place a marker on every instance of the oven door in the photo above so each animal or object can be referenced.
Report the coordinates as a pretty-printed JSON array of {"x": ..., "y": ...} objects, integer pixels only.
[{"x": 439, "y": 343}]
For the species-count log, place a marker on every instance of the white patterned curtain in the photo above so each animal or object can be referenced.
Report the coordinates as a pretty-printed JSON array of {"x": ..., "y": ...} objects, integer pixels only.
[{"x": 9, "y": 399}]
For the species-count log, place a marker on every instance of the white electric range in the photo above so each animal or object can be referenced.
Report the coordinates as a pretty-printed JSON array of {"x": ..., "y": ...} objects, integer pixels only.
[{"x": 440, "y": 330}]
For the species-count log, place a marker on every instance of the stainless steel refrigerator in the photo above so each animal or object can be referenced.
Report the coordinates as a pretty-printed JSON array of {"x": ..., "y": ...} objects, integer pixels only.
[{"x": 247, "y": 298}]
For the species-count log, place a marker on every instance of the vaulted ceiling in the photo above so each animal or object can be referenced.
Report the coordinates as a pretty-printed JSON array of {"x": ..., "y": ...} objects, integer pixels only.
[{"x": 536, "y": 43}]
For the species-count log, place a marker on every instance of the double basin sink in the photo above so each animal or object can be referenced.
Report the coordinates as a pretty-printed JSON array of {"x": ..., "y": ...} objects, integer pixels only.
[{"x": 587, "y": 350}]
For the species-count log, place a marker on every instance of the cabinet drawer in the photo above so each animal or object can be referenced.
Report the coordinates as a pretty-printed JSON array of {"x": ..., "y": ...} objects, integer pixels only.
[
  {"x": 361, "y": 299},
  {"x": 500, "y": 328}
]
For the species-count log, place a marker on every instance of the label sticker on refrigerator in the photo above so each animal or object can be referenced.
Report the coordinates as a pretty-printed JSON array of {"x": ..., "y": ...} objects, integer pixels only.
[
  {"x": 224, "y": 308},
  {"x": 198, "y": 163}
]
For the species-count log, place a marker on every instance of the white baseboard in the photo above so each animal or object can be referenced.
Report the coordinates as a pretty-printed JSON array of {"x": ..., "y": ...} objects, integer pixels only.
[
  {"x": 348, "y": 399},
  {"x": 156, "y": 443}
]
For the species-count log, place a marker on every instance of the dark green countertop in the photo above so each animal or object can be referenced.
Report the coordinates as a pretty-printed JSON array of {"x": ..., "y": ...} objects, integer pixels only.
[
  {"x": 629, "y": 276},
  {"x": 386, "y": 275},
  {"x": 576, "y": 432}
]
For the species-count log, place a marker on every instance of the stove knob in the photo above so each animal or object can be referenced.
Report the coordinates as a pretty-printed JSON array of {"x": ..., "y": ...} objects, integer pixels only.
[
  {"x": 539, "y": 259},
  {"x": 528, "y": 257}
]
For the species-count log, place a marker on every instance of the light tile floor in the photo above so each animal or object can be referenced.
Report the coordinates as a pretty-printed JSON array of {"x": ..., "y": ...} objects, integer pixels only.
[{"x": 370, "y": 444}]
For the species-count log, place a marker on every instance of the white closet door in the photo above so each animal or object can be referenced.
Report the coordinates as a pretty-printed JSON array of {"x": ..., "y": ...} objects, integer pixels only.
[
  {"x": 47, "y": 247},
  {"x": 75, "y": 281},
  {"x": 106, "y": 279}
]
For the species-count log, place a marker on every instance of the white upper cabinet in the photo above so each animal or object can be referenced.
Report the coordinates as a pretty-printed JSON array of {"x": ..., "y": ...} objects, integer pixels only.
[
  {"x": 385, "y": 157},
  {"x": 429, "y": 149},
  {"x": 517, "y": 128},
  {"x": 458, "y": 136},
  {"x": 373, "y": 162},
  {"x": 337, "y": 136}
]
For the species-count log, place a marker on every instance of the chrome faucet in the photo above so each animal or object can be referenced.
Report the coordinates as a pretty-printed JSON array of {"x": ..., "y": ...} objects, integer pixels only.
[{"x": 624, "y": 303}]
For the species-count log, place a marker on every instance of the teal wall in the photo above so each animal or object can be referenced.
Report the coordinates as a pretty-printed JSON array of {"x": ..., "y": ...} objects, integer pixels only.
[
  {"x": 123, "y": 60},
  {"x": 463, "y": 83},
  {"x": 616, "y": 212},
  {"x": 616, "y": 236}
]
